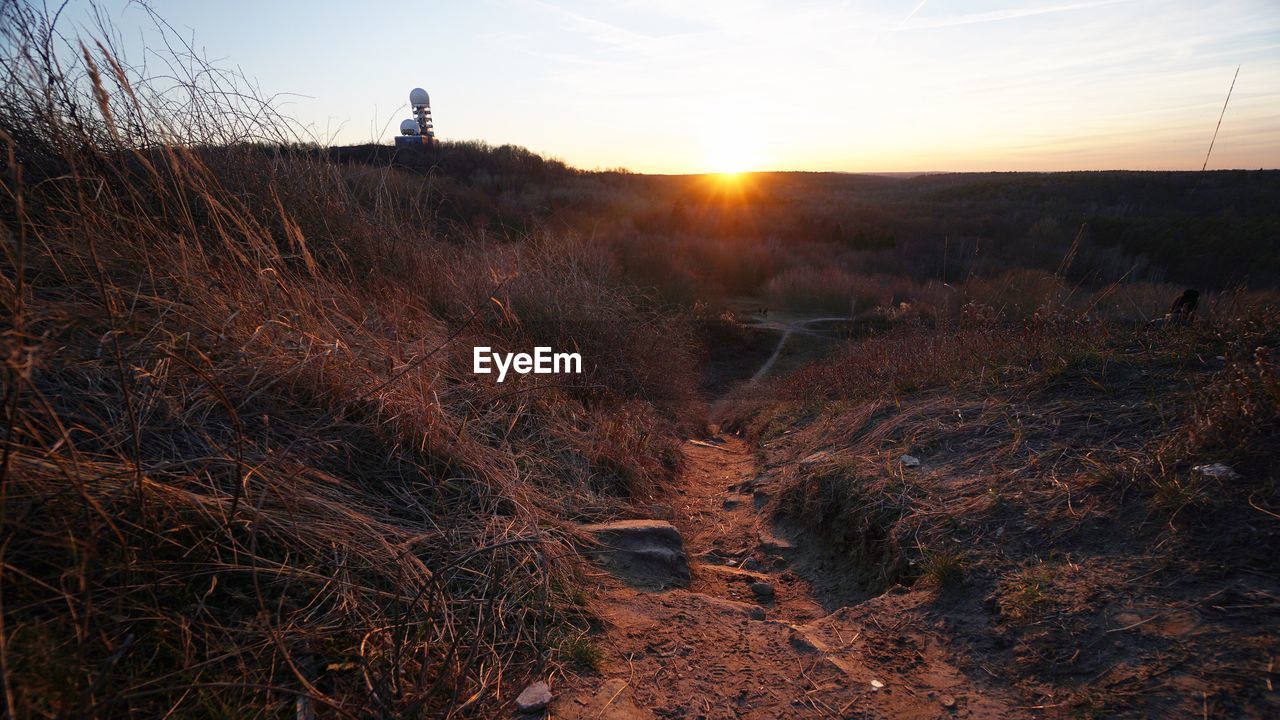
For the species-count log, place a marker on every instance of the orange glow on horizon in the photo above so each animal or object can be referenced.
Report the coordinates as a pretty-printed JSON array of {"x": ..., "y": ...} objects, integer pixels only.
[
  {"x": 728, "y": 198},
  {"x": 730, "y": 186}
]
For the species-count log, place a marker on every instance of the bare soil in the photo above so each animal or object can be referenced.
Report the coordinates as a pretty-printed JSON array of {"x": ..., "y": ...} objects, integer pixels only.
[{"x": 707, "y": 652}]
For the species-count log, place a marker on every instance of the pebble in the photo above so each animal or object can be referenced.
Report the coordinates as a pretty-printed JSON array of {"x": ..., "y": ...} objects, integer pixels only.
[
  {"x": 534, "y": 698},
  {"x": 1217, "y": 471},
  {"x": 763, "y": 589}
]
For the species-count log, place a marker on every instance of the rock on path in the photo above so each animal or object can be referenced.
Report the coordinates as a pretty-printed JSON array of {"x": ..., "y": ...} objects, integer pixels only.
[
  {"x": 534, "y": 698},
  {"x": 642, "y": 552}
]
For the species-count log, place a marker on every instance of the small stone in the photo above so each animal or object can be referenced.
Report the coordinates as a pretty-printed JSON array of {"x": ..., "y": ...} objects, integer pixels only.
[
  {"x": 910, "y": 461},
  {"x": 752, "y": 564},
  {"x": 1217, "y": 471},
  {"x": 947, "y": 701},
  {"x": 534, "y": 698},
  {"x": 763, "y": 589},
  {"x": 877, "y": 684}
]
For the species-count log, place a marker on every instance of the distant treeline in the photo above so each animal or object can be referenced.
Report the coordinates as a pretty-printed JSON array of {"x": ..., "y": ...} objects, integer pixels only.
[{"x": 1208, "y": 229}]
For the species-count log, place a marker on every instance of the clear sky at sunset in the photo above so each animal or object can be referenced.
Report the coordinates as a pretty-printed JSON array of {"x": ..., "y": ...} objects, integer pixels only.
[{"x": 693, "y": 85}]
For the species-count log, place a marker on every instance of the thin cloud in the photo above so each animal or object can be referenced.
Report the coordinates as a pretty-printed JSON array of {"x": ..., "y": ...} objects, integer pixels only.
[
  {"x": 911, "y": 14},
  {"x": 1001, "y": 15}
]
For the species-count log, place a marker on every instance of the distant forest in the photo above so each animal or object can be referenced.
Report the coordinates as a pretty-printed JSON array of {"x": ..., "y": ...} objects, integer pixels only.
[{"x": 1212, "y": 230}]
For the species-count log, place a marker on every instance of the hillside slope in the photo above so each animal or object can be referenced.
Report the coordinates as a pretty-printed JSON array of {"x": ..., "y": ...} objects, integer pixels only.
[
  {"x": 247, "y": 468},
  {"x": 1087, "y": 515}
]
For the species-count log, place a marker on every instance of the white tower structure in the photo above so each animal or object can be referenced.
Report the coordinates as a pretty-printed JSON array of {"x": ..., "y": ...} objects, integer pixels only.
[{"x": 419, "y": 130}]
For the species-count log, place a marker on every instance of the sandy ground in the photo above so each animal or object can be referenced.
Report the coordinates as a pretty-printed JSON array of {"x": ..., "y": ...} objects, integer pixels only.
[{"x": 707, "y": 652}]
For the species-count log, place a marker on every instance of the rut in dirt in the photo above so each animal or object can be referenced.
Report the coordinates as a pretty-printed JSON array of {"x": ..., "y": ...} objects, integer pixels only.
[{"x": 747, "y": 636}]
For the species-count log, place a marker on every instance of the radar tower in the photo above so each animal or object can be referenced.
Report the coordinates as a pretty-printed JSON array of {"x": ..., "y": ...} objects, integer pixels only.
[{"x": 420, "y": 130}]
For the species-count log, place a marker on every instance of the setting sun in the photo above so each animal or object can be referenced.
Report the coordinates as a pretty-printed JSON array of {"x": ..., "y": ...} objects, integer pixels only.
[
  {"x": 728, "y": 159},
  {"x": 731, "y": 143}
]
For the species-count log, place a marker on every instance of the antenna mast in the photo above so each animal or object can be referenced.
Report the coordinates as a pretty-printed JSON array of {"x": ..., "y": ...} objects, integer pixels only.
[{"x": 1220, "y": 116}]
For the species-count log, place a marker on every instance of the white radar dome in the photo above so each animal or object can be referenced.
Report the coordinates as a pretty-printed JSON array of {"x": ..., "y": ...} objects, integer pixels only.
[
  {"x": 418, "y": 96},
  {"x": 408, "y": 127}
]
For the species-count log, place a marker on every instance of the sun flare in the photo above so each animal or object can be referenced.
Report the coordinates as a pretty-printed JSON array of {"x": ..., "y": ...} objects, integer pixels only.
[
  {"x": 730, "y": 146},
  {"x": 731, "y": 154}
]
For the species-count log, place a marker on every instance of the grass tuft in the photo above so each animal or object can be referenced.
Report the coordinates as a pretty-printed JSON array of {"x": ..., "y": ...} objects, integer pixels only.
[
  {"x": 581, "y": 653},
  {"x": 944, "y": 568}
]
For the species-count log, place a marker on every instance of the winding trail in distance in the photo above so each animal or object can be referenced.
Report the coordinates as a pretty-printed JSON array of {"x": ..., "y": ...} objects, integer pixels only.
[{"x": 786, "y": 328}]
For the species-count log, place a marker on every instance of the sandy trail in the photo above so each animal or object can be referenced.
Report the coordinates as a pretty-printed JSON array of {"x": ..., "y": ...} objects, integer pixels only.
[{"x": 705, "y": 652}]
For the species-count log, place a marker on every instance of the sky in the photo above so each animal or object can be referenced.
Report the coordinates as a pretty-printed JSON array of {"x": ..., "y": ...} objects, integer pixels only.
[{"x": 675, "y": 86}]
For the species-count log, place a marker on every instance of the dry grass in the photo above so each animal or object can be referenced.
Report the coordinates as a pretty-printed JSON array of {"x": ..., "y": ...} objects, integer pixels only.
[
  {"x": 246, "y": 470},
  {"x": 833, "y": 289},
  {"x": 1056, "y": 469}
]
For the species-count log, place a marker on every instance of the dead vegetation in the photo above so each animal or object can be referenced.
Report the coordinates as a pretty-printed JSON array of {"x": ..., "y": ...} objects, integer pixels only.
[
  {"x": 246, "y": 468},
  {"x": 1061, "y": 504}
]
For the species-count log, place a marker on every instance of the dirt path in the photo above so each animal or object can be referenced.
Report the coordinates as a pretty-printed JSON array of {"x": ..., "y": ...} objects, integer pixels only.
[
  {"x": 718, "y": 649},
  {"x": 786, "y": 328}
]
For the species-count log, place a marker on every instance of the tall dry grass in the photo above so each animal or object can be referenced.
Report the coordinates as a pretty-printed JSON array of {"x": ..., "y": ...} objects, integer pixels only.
[
  {"x": 1059, "y": 468},
  {"x": 1098, "y": 402},
  {"x": 246, "y": 469},
  {"x": 1026, "y": 327}
]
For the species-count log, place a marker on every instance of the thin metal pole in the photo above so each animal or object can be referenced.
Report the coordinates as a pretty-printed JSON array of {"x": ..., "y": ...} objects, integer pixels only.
[{"x": 1220, "y": 116}]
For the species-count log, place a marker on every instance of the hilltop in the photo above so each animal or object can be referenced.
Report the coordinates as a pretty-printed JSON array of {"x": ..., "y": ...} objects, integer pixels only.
[{"x": 923, "y": 446}]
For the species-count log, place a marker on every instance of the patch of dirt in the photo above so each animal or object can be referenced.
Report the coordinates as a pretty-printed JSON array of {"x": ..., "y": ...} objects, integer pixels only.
[{"x": 725, "y": 648}]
